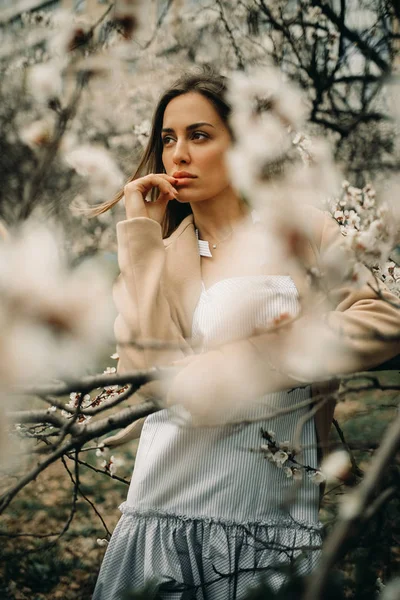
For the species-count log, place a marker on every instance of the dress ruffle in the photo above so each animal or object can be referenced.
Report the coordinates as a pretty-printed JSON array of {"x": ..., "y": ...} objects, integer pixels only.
[{"x": 203, "y": 559}]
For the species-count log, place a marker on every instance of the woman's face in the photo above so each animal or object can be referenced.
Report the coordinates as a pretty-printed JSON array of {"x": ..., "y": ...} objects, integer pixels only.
[{"x": 195, "y": 140}]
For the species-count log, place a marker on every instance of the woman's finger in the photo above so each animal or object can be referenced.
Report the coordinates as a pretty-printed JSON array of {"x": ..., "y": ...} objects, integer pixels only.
[
  {"x": 166, "y": 193},
  {"x": 148, "y": 182},
  {"x": 137, "y": 202}
]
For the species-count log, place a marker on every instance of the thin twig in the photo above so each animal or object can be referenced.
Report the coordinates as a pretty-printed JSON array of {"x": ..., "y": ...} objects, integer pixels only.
[
  {"x": 83, "y": 495},
  {"x": 89, "y": 466},
  {"x": 355, "y": 468}
]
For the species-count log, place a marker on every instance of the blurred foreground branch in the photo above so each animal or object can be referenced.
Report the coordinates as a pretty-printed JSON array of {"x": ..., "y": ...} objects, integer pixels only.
[{"x": 352, "y": 513}]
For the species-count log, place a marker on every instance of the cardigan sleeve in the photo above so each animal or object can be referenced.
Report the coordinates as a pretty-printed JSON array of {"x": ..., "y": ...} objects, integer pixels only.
[
  {"x": 144, "y": 314},
  {"x": 361, "y": 332}
]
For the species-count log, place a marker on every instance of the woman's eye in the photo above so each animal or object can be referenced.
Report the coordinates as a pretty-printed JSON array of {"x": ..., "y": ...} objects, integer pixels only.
[
  {"x": 199, "y": 135},
  {"x": 167, "y": 140}
]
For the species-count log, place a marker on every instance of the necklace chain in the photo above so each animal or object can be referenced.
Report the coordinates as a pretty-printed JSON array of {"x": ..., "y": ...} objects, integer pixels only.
[{"x": 214, "y": 246}]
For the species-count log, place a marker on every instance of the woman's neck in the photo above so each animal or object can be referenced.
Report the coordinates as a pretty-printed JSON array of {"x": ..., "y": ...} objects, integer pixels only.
[{"x": 217, "y": 218}]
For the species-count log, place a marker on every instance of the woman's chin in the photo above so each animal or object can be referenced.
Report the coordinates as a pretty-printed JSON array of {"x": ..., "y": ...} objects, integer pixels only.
[{"x": 183, "y": 198}]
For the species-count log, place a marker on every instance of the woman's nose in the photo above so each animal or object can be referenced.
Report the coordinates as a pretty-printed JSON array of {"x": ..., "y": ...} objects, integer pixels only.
[{"x": 181, "y": 153}]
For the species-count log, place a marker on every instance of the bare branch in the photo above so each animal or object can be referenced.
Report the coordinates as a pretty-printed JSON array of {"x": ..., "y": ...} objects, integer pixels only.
[
  {"x": 86, "y": 384},
  {"x": 352, "y": 511}
]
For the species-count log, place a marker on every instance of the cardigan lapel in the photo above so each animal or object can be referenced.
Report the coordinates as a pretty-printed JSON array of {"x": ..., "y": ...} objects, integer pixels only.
[{"x": 183, "y": 270}]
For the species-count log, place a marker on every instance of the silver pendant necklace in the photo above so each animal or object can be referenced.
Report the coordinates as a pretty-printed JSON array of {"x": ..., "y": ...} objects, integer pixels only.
[
  {"x": 214, "y": 246},
  {"x": 204, "y": 245}
]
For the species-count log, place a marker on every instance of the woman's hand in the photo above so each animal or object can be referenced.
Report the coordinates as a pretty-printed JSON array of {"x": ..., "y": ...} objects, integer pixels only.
[{"x": 136, "y": 203}]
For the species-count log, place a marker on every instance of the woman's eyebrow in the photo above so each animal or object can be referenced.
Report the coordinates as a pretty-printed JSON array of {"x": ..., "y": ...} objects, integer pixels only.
[{"x": 189, "y": 127}]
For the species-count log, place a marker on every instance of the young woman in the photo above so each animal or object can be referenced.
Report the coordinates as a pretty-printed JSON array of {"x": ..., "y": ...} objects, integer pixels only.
[{"x": 205, "y": 516}]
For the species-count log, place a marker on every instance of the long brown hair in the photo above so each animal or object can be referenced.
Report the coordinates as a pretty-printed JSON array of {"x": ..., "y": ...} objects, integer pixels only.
[{"x": 213, "y": 87}]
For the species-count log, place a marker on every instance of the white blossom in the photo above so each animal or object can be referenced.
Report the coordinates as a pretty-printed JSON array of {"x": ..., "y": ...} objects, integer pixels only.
[
  {"x": 37, "y": 134},
  {"x": 288, "y": 472},
  {"x": 98, "y": 166},
  {"x": 110, "y": 370},
  {"x": 280, "y": 458},
  {"x": 114, "y": 464},
  {"x": 142, "y": 131},
  {"x": 316, "y": 477},
  {"x": 53, "y": 321},
  {"x": 391, "y": 590},
  {"x": 269, "y": 87},
  {"x": 350, "y": 505},
  {"x": 44, "y": 81},
  {"x": 267, "y": 452},
  {"x": 336, "y": 465},
  {"x": 297, "y": 474},
  {"x": 102, "y": 450}
]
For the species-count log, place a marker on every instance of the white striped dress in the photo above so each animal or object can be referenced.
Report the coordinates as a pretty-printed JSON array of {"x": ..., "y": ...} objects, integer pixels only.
[{"x": 207, "y": 517}]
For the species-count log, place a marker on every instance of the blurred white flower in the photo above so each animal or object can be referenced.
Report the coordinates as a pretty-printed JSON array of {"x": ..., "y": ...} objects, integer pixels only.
[
  {"x": 314, "y": 13},
  {"x": 336, "y": 465},
  {"x": 44, "y": 81},
  {"x": 68, "y": 33},
  {"x": 265, "y": 110},
  {"x": 267, "y": 452},
  {"x": 339, "y": 215},
  {"x": 98, "y": 166},
  {"x": 37, "y": 134},
  {"x": 53, "y": 322},
  {"x": 102, "y": 450},
  {"x": 142, "y": 131},
  {"x": 297, "y": 474},
  {"x": 350, "y": 505},
  {"x": 316, "y": 477},
  {"x": 312, "y": 350},
  {"x": 265, "y": 90},
  {"x": 390, "y": 591}
]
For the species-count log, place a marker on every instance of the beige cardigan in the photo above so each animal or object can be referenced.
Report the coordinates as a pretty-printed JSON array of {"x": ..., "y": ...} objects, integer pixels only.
[{"x": 158, "y": 289}]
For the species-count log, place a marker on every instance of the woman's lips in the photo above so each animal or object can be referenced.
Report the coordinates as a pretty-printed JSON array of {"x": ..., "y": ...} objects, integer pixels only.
[
  {"x": 184, "y": 180},
  {"x": 183, "y": 177}
]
